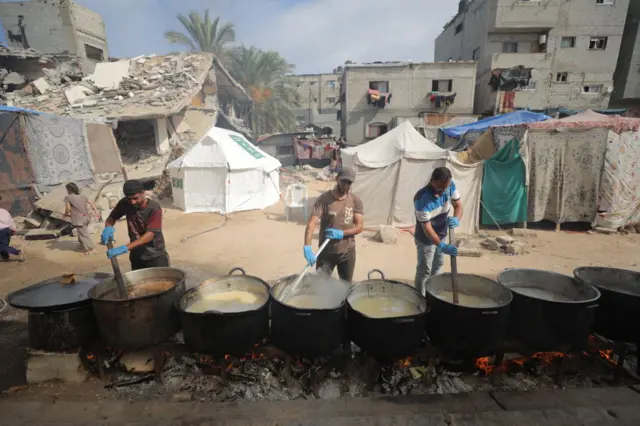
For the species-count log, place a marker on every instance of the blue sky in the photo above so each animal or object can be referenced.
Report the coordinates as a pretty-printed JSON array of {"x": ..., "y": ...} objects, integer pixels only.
[{"x": 315, "y": 35}]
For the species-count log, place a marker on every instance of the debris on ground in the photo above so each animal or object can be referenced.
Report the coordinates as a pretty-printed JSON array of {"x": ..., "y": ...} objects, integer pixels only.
[{"x": 387, "y": 234}]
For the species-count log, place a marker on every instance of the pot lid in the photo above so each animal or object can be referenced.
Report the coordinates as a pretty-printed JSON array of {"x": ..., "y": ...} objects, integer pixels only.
[{"x": 52, "y": 294}]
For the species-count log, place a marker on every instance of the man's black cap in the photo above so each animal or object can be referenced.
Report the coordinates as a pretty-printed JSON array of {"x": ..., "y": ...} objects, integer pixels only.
[{"x": 347, "y": 174}]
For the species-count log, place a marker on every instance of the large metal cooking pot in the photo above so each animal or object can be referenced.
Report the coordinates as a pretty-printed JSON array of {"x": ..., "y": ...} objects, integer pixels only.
[
  {"x": 550, "y": 311},
  {"x": 389, "y": 337},
  {"x": 60, "y": 316},
  {"x": 307, "y": 332},
  {"x": 148, "y": 317},
  {"x": 233, "y": 331},
  {"x": 618, "y": 313},
  {"x": 477, "y": 325}
]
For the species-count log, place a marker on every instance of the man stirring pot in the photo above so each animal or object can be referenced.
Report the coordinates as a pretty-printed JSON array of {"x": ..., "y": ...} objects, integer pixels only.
[{"x": 340, "y": 215}]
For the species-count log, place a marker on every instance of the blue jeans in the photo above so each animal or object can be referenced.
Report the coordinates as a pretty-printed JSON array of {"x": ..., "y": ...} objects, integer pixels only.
[
  {"x": 430, "y": 261},
  {"x": 5, "y": 248}
]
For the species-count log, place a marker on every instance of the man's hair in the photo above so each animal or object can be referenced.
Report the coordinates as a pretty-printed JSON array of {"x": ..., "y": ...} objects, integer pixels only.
[
  {"x": 441, "y": 173},
  {"x": 73, "y": 188}
]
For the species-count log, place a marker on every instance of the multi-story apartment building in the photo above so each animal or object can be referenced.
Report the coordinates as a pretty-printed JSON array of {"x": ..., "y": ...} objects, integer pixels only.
[
  {"x": 317, "y": 97},
  {"x": 56, "y": 27},
  {"x": 374, "y": 96},
  {"x": 626, "y": 91},
  {"x": 551, "y": 53}
]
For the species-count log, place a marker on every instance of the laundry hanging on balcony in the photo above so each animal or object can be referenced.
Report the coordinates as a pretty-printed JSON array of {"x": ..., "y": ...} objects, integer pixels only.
[
  {"x": 441, "y": 100},
  {"x": 378, "y": 98}
]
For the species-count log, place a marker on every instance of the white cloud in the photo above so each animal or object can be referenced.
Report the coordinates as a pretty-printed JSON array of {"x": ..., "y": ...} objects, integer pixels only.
[{"x": 315, "y": 35}]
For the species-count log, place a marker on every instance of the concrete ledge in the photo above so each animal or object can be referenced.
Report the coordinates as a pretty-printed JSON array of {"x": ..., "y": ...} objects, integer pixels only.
[{"x": 596, "y": 397}]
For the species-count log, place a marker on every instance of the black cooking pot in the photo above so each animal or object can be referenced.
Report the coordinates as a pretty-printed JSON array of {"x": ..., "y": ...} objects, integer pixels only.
[
  {"x": 306, "y": 332},
  {"x": 391, "y": 337},
  {"x": 60, "y": 316},
  {"x": 618, "y": 313},
  {"x": 476, "y": 326},
  {"x": 550, "y": 311},
  {"x": 219, "y": 333},
  {"x": 142, "y": 320}
]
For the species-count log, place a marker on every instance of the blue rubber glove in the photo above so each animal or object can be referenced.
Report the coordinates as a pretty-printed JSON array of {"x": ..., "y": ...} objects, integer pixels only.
[
  {"x": 308, "y": 254},
  {"x": 449, "y": 249},
  {"x": 117, "y": 251},
  {"x": 453, "y": 222},
  {"x": 334, "y": 234},
  {"x": 108, "y": 233}
]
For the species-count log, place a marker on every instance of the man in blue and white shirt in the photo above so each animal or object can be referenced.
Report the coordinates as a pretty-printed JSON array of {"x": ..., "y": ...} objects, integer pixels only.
[{"x": 433, "y": 204}]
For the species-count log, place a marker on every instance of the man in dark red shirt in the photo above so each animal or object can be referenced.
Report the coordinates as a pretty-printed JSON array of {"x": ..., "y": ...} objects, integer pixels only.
[{"x": 144, "y": 221}]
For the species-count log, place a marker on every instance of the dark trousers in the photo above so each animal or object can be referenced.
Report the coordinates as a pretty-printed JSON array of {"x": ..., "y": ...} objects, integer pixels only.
[
  {"x": 5, "y": 248},
  {"x": 156, "y": 262},
  {"x": 345, "y": 262}
]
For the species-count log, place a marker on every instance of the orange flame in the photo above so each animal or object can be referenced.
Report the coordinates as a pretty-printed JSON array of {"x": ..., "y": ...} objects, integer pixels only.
[
  {"x": 405, "y": 362},
  {"x": 90, "y": 356}
]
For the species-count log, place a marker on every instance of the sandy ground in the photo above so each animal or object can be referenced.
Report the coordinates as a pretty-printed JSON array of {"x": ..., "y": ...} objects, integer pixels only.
[{"x": 268, "y": 247}]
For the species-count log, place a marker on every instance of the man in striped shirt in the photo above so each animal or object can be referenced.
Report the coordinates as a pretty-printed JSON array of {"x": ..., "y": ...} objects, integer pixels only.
[{"x": 433, "y": 204}]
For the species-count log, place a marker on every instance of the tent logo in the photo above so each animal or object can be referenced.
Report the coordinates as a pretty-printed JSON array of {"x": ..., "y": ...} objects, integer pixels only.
[
  {"x": 177, "y": 183},
  {"x": 247, "y": 147}
]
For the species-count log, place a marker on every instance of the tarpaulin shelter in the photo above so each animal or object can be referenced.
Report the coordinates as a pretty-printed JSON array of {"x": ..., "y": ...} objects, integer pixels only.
[
  {"x": 585, "y": 168},
  {"x": 392, "y": 168},
  {"x": 224, "y": 173},
  {"x": 459, "y": 138},
  {"x": 40, "y": 152},
  {"x": 504, "y": 191}
]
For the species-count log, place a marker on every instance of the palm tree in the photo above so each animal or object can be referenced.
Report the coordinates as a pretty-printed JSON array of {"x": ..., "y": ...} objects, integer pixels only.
[
  {"x": 265, "y": 76},
  {"x": 204, "y": 35}
]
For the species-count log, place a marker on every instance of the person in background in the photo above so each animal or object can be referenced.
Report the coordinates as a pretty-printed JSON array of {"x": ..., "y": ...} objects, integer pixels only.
[
  {"x": 144, "y": 221},
  {"x": 77, "y": 207},
  {"x": 7, "y": 229},
  {"x": 336, "y": 163},
  {"x": 339, "y": 213},
  {"x": 433, "y": 204}
]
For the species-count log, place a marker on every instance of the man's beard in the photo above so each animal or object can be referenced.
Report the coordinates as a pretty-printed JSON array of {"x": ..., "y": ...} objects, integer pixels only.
[{"x": 342, "y": 191}]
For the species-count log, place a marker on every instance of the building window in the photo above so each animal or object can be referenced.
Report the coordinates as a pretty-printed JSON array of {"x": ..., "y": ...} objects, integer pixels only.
[
  {"x": 459, "y": 27},
  {"x": 332, "y": 100},
  {"x": 476, "y": 54},
  {"x": 607, "y": 2},
  {"x": 94, "y": 53},
  {"x": 598, "y": 43},
  {"x": 592, "y": 89},
  {"x": 284, "y": 150},
  {"x": 380, "y": 86},
  {"x": 567, "y": 42},
  {"x": 510, "y": 47},
  {"x": 376, "y": 129},
  {"x": 562, "y": 77},
  {"x": 442, "y": 86},
  {"x": 331, "y": 83},
  {"x": 301, "y": 118}
]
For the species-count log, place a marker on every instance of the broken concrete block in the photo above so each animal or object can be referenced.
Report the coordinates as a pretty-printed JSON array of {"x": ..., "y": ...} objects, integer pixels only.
[
  {"x": 76, "y": 94},
  {"x": 521, "y": 232},
  {"x": 388, "y": 235},
  {"x": 41, "y": 85},
  {"x": 491, "y": 244},
  {"x": 41, "y": 234},
  {"x": 505, "y": 239},
  {"x": 32, "y": 223},
  {"x": 469, "y": 252},
  {"x": 518, "y": 248},
  {"x": 47, "y": 366},
  {"x": 605, "y": 231},
  {"x": 138, "y": 362},
  {"x": 14, "y": 78},
  {"x": 89, "y": 103},
  {"x": 109, "y": 75}
]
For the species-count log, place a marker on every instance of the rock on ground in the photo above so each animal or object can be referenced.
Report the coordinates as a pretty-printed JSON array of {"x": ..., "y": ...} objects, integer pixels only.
[
  {"x": 491, "y": 244},
  {"x": 521, "y": 232},
  {"x": 388, "y": 234}
]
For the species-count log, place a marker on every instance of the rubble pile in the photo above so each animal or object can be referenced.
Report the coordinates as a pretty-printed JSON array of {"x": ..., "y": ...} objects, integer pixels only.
[{"x": 143, "y": 85}]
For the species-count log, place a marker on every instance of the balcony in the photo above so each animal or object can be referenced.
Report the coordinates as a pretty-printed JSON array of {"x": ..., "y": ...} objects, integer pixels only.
[
  {"x": 527, "y": 60},
  {"x": 527, "y": 14}
]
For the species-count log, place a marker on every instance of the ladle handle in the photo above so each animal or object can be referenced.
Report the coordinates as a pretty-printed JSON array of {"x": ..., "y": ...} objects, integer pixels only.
[
  {"x": 454, "y": 268},
  {"x": 122, "y": 291},
  {"x": 299, "y": 278}
]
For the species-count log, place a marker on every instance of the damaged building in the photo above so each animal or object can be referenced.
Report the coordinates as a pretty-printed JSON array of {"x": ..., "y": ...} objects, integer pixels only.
[
  {"x": 151, "y": 102},
  {"x": 60, "y": 28},
  {"x": 375, "y": 97},
  {"x": 537, "y": 54}
]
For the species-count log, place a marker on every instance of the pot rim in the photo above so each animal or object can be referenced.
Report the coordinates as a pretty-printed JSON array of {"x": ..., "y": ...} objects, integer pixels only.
[
  {"x": 383, "y": 281},
  {"x": 275, "y": 299},
  {"x": 215, "y": 280},
  {"x": 498, "y": 306},
  {"x": 95, "y": 299},
  {"x": 570, "y": 302},
  {"x": 601, "y": 288}
]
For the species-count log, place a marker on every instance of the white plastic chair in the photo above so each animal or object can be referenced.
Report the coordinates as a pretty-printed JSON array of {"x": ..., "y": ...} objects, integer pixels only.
[{"x": 296, "y": 198}]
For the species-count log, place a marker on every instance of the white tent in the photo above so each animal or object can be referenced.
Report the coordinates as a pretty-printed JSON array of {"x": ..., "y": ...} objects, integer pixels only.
[
  {"x": 393, "y": 167},
  {"x": 224, "y": 173}
]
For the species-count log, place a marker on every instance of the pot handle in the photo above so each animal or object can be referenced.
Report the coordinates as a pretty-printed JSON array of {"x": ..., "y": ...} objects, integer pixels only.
[
  {"x": 375, "y": 270},
  {"x": 238, "y": 269},
  {"x": 489, "y": 312},
  {"x": 592, "y": 306}
]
